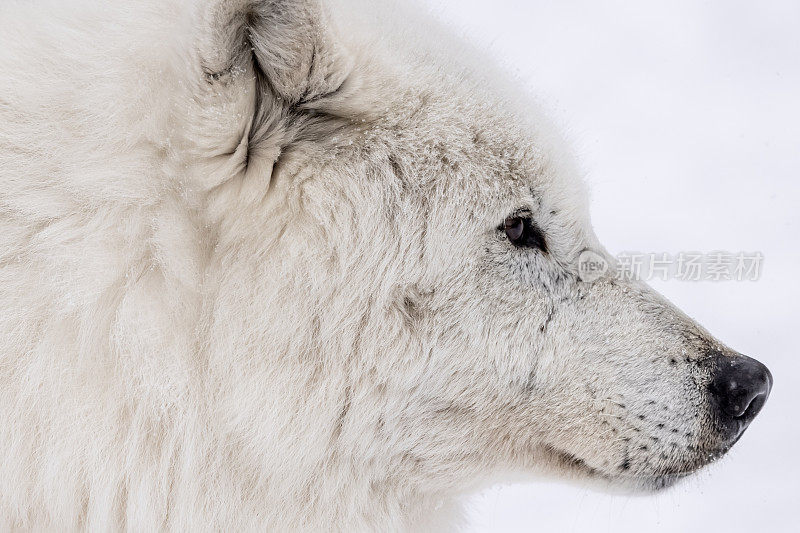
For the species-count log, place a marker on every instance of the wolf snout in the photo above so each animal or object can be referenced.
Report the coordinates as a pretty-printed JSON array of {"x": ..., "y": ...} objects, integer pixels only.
[{"x": 739, "y": 388}]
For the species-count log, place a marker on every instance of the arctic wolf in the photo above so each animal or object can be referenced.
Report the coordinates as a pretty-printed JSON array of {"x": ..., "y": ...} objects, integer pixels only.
[{"x": 280, "y": 265}]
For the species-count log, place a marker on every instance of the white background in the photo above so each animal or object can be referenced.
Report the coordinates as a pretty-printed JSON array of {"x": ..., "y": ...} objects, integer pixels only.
[{"x": 686, "y": 119}]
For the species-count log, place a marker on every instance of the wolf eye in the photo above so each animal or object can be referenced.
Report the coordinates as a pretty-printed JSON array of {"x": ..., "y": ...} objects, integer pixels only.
[{"x": 523, "y": 233}]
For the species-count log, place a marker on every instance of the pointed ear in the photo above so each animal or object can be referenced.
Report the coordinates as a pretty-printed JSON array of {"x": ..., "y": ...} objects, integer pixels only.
[
  {"x": 256, "y": 62},
  {"x": 290, "y": 42}
]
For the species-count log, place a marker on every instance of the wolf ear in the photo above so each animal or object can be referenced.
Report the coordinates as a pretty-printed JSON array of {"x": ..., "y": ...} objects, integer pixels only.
[
  {"x": 289, "y": 42},
  {"x": 257, "y": 64}
]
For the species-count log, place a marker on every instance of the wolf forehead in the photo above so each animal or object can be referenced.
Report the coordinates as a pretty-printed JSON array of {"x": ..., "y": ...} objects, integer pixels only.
[{"x": 447, "y": 141}]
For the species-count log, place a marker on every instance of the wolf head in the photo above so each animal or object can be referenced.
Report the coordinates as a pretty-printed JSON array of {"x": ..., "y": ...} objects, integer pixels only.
[{"x": 397, "y": 306}]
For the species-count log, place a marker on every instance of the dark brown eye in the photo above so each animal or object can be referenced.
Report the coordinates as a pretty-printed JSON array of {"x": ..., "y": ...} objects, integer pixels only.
[
  {"x": 514, "y": 228},
  {"x": 522, "y": 232}
]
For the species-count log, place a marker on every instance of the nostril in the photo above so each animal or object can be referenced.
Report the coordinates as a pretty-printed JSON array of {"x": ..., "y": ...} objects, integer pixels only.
[
  {"x": 747, "y": 407},
  {"x": 754, "y": 406},
  {"x": 744, "y": 399}
]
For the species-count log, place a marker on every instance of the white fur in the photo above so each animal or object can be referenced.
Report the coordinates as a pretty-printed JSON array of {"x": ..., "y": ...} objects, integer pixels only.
[{"x": 250, "y": 278}]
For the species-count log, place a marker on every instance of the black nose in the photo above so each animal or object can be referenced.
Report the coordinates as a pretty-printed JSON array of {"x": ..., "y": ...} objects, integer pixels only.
[{"x": 739, "y": 386}]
